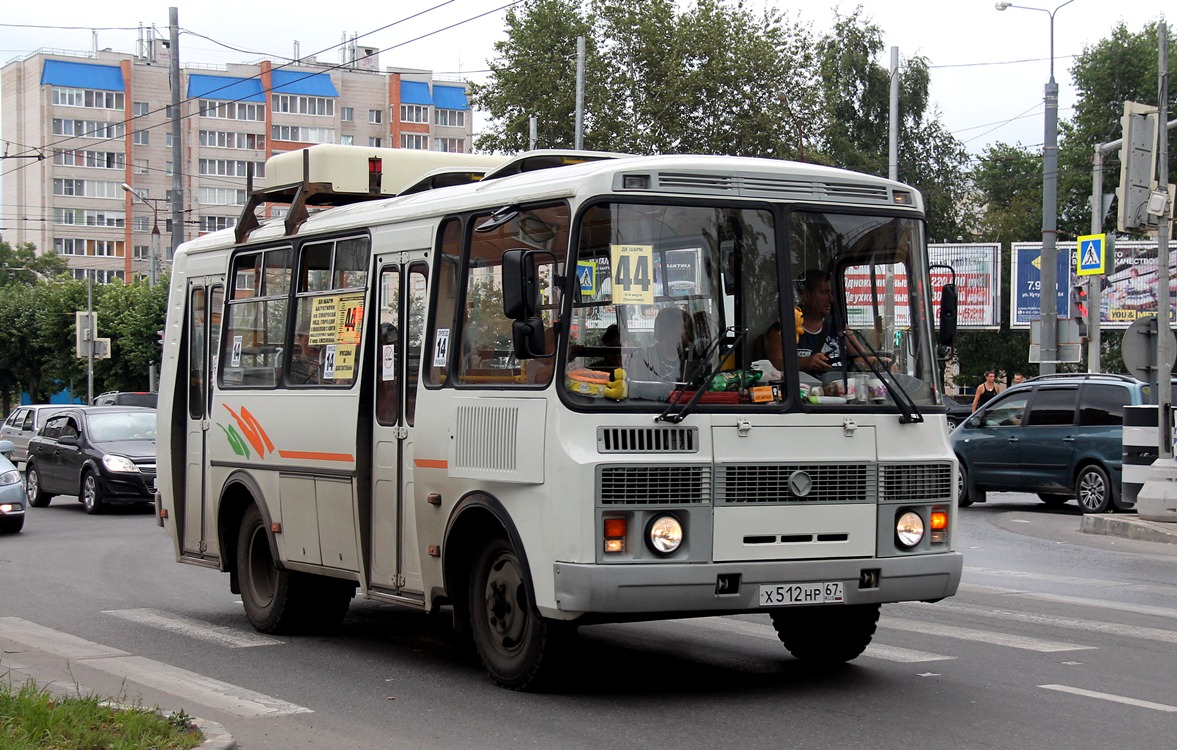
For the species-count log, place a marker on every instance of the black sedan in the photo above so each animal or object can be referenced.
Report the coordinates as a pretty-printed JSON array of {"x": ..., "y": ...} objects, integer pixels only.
[{"x": 102, "y": 454}]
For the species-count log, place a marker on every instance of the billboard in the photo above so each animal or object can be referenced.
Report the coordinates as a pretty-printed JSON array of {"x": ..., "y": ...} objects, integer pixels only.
[{"x": 1129, "y": 289}]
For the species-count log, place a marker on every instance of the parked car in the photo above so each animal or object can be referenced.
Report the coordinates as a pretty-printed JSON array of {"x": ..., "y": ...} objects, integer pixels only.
[
  {"x": 23, "y": 423},
  {"x": 12, "y": 494},
  {"x": 127, "y": 398},
  {"x": 102, "y": 454},
  {"x": 959, "y": 409},
  {"x": 1060, "y": 436}
]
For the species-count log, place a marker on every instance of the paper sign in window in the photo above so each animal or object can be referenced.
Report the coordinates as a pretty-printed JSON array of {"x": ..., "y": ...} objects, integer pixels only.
[{"x": 633, "y": 274}]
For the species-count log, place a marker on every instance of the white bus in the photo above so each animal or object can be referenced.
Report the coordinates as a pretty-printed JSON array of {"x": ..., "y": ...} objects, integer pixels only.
[{"x": 438, "y": 390}]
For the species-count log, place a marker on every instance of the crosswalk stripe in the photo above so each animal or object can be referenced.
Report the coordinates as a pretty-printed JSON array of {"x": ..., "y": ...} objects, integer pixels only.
[
  {"x": 1112, "y": 697},
  {"x": 187, "y": 626},
  {"x": 1071, "y": 623},
  {"x": 1087, "y": 583},
  {"x": 981, "y": 636},
  {"x": 1140, "y": 609},
  {"x": 182, "y": 683},
  {"x": 758, "y": 630}
]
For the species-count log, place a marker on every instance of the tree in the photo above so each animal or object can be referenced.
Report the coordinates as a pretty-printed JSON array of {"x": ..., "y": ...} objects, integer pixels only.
[
  {"x": 1008, "y": 184},
  {"x": 22, "y": 265},
  {"x": 130, "y": 316},
  {"x": 856, "y": 106}
]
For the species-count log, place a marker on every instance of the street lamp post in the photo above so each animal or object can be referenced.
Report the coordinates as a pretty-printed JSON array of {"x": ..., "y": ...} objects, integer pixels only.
[
  {"x": 153, "y": 260},
  {"x": 1048, "y": 294}
]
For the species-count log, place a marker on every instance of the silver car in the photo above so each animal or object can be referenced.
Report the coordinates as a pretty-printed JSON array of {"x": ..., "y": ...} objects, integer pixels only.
[
  {"x": 23, "y": 423},
  {"x": 12, "y": 494}
]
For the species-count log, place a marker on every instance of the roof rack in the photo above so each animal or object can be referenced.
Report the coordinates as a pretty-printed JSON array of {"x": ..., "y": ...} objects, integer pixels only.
[
  {"x": 1081, "y": 376},
  {"x": 330, "y": 175}
]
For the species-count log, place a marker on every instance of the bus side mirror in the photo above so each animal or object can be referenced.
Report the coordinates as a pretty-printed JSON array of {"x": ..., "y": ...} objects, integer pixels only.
[
  {"x": 948, "y": 304},
  {"x": 527, "y": 338},
  {"x": 520, "y": 287}
]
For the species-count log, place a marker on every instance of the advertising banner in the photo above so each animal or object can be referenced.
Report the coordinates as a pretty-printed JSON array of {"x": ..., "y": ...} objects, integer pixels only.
[
  {"x": 976, "y": 269},
  {"x": 1127, "y": 291}
]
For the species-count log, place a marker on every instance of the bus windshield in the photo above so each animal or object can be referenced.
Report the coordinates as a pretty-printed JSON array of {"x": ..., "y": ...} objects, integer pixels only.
[{"x": 671, "y": 300}]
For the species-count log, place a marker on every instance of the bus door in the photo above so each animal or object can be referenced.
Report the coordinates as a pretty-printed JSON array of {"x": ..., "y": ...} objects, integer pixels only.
[
  {"x": 401, "y": 308},
  {"x": 204, "y": 328}
]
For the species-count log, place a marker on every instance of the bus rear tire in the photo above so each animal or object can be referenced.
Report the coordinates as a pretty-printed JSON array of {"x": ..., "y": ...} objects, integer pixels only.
[
  {"x": 826, "y": 635},
  {"x": 517, "y": 646},
  {"x": 284, "y": 601}
]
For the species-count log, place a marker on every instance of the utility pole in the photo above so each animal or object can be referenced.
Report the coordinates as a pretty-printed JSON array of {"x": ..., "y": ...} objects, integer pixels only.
[
  {"x": 579, "y": 93},
  {"x": 177, "y": 151}
]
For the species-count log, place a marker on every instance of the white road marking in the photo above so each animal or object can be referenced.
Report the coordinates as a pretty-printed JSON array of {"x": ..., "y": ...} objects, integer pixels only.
[
  {"x": 198, "y": 629},
  {"x": 186, "y": 685},
  {"x": 1072, "y": 623},
  {"x": 1140, "y": 609},
  {"x": 979, "y": 636},
  {"x": 1113, "y": 698},
  {"x": 759, "y": 630}
]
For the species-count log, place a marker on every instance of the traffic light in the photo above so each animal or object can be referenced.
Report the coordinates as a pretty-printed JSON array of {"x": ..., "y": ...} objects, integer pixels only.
[
  {"x": 1079, "y": 307},
  {"x": 159, "y": 337}
]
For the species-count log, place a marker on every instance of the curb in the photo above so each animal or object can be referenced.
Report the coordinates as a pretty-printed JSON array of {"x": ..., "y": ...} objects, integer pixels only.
[{"x": 1129, "y": 528}]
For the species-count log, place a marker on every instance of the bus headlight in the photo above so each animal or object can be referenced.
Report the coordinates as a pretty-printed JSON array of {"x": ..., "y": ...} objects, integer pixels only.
[
  {"x": 664, "y": 535},
  {"x": 909, "y": 529}
]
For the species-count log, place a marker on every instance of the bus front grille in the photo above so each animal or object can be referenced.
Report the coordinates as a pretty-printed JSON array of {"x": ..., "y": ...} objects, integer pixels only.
[
  {"x": 794, "y": 483},
  {"x": 912, "y": 482},
  {"x": 647, "y": 439},
  {"x": 653, "y": 485}
]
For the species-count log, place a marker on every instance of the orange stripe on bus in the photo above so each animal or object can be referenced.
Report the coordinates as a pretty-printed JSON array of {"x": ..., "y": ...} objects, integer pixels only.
[
  {"x": 431, "y": 463},
  {"x": 316, "y": 456}
]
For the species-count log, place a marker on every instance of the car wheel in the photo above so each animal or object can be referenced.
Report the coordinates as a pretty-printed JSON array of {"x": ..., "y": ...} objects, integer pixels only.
[
  {"x": 92, "y": 494},
  {"x": 12, "y": 525},
  {"x": 36, "y": 496},
  {"x": 1093, "y": 489},
  {"x": 966, "y": 495},
  {"x": 953, "y": 423},
  {"x": 1053, "y": 501}
]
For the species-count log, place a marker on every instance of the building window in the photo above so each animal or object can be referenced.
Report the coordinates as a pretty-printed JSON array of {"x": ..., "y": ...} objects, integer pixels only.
[
  {"x": 302, "y": 134},
  {"x": 87, "y": 188},
  {"x": 139, "y": 137},
  {"x": 375, "y": 116},
  {"x": 142, "y": 252},
  {"x": 100, "y": 276},
  {"x": 139, "y": 109},
  {"x": 230, "y": 168},
  {"x": 94, "y": 159},
  {"x": 226, "y": 139},
  {"x": 320, "y": 106},
  {"x": 374, "y": 142},
  {"x": 88, "y": 128},
  {"x": 140, "y": 224},
  {"x": 452, "y": 145},
  {"x": 222, "y": 197},
  {"x": 453, "y": 118},
  {"x": 232, "y": 110},
  {"x": 410, "y": 140},
  {"x": 88, "y": 98},
  {"x": 347, "y": 140},
  {"x": 216, "y": 223},
  {"x": 139, "y": 166},
  {"x": 347, "y": 114},
  {"x": 414, "y": 113}
]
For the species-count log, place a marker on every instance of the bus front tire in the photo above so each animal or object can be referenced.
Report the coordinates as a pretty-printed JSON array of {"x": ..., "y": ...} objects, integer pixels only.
[
  {"x": 826, "y": 635},
  {"x": 517, "y": 646},
  {"x": 284, "y": 601}
]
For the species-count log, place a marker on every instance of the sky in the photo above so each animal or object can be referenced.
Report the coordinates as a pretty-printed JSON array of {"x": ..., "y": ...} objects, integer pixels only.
[{"x": 988, "y": 68}]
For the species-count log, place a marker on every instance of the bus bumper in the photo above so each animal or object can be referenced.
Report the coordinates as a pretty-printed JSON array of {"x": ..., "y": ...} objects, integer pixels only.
[{"x": 725, "y": 587}]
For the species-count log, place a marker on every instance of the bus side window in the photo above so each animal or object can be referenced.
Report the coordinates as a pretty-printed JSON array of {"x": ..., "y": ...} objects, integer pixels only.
[{"x": 414, "y": 335}]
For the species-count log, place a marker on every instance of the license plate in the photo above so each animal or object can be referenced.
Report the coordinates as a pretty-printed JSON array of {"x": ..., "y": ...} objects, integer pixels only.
[{"x": 782, "y": 594}]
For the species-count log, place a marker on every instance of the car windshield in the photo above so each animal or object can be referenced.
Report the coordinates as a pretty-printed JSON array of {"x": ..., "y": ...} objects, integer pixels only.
[{"x": 122, "y": 426}]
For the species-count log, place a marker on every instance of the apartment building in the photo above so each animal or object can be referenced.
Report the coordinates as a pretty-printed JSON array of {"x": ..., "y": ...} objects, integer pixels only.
[{"x": 78, "y": 127}]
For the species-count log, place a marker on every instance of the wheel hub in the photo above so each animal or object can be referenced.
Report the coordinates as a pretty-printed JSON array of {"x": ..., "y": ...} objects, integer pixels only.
[{"x": 506, "y": 611}]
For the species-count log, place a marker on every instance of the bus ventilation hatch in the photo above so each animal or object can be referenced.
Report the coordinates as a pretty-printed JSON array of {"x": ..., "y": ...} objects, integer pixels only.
[{"x": 647, "y": 440}]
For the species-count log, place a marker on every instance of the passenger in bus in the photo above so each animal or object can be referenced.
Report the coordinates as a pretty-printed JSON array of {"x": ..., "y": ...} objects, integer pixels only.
[
  {"x": 611, "y": 341},
  {"x": 667, "y": 358},
  {"x": 304, "y": 365}
]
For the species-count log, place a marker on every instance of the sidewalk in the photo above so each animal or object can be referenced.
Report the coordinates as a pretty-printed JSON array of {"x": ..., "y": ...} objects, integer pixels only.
[
  {"x": 1129, "y": 526},
  {"x": 20, "y": 662}
]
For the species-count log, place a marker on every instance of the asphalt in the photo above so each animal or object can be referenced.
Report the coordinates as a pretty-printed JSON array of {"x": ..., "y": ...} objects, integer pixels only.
[{"x": 60, "y": 676}]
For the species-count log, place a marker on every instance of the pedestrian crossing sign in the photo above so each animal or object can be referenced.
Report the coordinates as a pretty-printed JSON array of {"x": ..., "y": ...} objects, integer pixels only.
[{"x": 1092, "y": 255}]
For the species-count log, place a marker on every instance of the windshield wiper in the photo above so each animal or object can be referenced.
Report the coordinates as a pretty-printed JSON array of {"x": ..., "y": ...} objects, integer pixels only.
[
  {"x": 701, "y": 380},
  {"x": 909, "y": 412}
]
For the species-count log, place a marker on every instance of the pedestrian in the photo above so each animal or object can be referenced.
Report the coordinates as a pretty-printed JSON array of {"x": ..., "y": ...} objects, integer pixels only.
[{"x": 987, "y": 391}]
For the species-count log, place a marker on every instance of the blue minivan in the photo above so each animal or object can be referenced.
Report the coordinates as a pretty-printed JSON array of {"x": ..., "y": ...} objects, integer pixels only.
[{"x": 1060, "y": 436}]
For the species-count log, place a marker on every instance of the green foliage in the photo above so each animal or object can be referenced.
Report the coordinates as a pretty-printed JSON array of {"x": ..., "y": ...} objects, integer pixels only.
[
  {"x": 37, "y": 340},
  {"x": 21, "y": 265},
  {"x": 32, "y": 717}
]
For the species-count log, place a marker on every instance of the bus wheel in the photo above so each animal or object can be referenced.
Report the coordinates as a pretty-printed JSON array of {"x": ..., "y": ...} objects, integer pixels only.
[
  {"x": 515, "y": 644},
  {"x": 829, "y": 634},
  {"x": 283, "y": 601}
]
